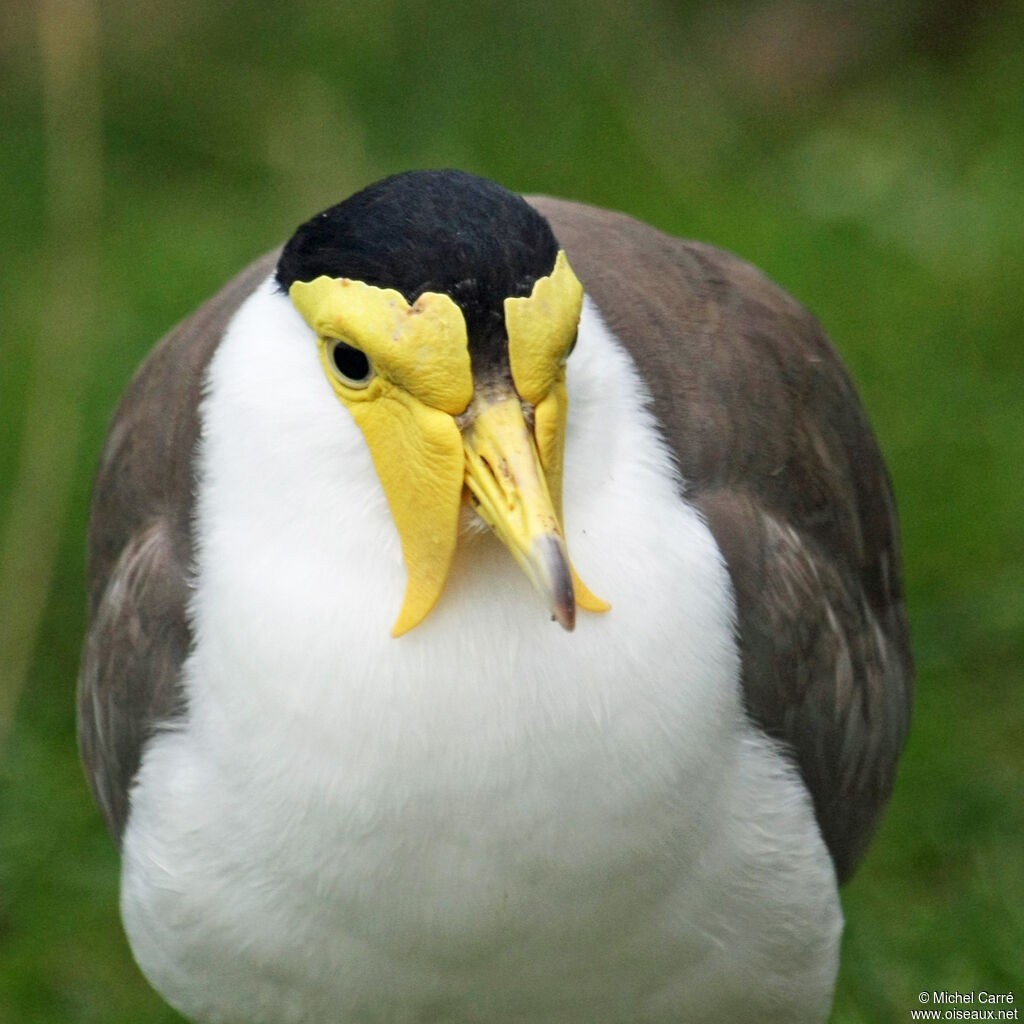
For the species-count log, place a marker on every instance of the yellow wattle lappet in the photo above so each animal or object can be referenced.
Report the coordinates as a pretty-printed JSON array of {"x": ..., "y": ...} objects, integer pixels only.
[{"x": 434, "y": 440}]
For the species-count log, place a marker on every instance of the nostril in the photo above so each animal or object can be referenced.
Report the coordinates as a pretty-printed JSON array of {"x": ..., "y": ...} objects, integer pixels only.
[{"x": 501, "y": 472}]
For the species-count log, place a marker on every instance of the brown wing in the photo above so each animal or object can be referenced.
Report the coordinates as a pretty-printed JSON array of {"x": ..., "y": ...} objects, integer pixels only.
[
  {"x": 778, "y": 455},
  {"x": 140, "y": 553}
]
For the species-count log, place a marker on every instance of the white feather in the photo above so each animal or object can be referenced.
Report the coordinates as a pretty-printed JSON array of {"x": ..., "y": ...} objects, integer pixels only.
[{"x": 488, "y": 819}]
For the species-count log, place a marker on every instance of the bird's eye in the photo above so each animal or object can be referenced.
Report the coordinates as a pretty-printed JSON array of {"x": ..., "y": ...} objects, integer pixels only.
[{"x": 352, "y": 366}]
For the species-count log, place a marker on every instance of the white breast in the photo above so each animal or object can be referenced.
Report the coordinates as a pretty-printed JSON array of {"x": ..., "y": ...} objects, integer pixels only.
[{"x": 487, "y": 819}]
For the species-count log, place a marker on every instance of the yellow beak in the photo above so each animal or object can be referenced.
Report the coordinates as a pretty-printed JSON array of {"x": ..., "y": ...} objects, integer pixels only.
[{"x": 509, "y": 491}]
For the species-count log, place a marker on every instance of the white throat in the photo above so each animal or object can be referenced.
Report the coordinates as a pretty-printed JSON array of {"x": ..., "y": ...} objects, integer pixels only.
[{"x": 298, "y": 552}]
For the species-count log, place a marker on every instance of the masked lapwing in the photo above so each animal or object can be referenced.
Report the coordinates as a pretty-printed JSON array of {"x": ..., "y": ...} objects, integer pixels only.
[{"x": 355, "y": 771}]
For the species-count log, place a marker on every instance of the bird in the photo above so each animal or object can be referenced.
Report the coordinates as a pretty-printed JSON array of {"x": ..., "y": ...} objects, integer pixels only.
[{"x": 495, "y": 614}]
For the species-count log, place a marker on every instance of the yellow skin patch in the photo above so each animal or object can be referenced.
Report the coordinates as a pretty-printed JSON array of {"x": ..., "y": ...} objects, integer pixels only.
[
  {"x": 420, "y": 379},
  {"x": 421, "y": 348},
  {"x": 541, "y": 332}
]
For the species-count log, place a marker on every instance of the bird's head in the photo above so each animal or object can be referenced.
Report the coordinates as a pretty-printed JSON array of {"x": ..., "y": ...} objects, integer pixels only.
[{"x": 444, "y": 313}]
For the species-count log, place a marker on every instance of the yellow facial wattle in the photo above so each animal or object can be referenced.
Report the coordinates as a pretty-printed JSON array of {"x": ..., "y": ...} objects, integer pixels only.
[
  {"x": 541, "y": 329},
  {"x": 541, "y": 333},
  {"x": 421, "y": 348},
  {"x": 418, "y": 381}
]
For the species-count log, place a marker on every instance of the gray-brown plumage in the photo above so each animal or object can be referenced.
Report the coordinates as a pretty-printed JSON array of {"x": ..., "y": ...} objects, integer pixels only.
[{"x": 769, "y": 437}]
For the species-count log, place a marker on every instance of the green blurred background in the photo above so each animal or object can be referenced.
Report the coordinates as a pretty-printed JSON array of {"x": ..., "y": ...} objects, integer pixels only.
[{"x": 870, "y": 157}]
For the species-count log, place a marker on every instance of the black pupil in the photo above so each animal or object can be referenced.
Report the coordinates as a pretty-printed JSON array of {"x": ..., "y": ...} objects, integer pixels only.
[{"x": 350, "y": 362}]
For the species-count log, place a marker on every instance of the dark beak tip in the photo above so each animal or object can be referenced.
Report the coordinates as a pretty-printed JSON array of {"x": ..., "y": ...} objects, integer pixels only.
[{"x": 565, "y": 616}]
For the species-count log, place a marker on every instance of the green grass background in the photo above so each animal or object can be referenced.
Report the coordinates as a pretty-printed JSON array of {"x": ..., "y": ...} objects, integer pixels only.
[{"x": 870, "y": 157}]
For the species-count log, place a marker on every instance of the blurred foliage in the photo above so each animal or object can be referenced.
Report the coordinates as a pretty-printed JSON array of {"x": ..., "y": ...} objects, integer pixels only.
[{"x": 868, "y": 156}]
